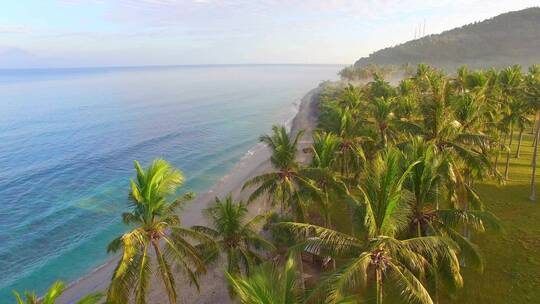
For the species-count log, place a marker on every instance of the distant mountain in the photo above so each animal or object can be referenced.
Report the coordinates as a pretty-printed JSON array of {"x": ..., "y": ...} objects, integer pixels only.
[{"x": 506, "y": 39}]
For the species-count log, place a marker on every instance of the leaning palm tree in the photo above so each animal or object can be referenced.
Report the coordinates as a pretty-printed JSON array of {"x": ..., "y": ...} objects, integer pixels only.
[
  {"x": 269, "y": 283},
  {"x": 235, "y": 234},
  {"x": 282, "y": 184},
  {"x": 156, "y": 227},
  {"x": 54, "y": 292},
  {"x": 380, "y": 258}
]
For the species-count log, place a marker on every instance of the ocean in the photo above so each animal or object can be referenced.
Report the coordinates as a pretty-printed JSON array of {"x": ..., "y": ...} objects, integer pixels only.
[{"x": 68, "y": 139}]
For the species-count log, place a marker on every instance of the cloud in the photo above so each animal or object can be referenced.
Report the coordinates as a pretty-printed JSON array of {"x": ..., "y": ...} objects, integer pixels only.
[{"x": 14, "y": 29}]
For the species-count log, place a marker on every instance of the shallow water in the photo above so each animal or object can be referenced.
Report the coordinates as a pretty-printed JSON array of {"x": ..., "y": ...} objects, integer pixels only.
[{"x": 68, "y": 139}]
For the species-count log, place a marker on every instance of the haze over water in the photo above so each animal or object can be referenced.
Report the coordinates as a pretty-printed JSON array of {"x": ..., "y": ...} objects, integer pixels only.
[{"x": 68, "y": 139}]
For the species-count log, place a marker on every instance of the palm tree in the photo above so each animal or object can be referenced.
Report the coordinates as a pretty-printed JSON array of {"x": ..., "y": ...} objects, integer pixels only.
[
  {"x": 381, "y": 111},
  {"x": 379, "y": 88},
  {"x": 54, "y": 292},
  {"x": 532, "y": 92},
  {"x": 467, "y": 145},
  {"x": 351, "y": 97},
  {"x": 155, "y": 226},
  {"x": 509, "y": 81},
  {"x": 289, "y": 176},
  {"x": 522, "y": 123},
  {"x": 350, "y": 154},
  {"x": 324, "y": 149},
  {"x": 516, "y": 115},
  {"x": 426, "y": 182},
  {"x": 268, "y": 284},
  {"x": 381, "y": 257},
  {"x": 234, "y": 234}
]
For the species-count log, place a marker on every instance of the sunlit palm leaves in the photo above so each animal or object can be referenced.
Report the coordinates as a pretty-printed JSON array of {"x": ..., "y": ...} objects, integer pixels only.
[
  {"x": 155, "y": 227},
  {"x": 54, "y": 292},
  {"x": 269, "y": 283},
  {"x": 236, "y": 235},
  {"x": 283, "y": 184}
]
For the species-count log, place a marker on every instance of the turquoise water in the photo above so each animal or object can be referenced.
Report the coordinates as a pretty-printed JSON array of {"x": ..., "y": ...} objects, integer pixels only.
[{"x": 68, "y": 139}]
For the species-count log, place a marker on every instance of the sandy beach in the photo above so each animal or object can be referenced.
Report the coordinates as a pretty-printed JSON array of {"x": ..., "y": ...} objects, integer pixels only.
[{"x": 213, "y": 284}]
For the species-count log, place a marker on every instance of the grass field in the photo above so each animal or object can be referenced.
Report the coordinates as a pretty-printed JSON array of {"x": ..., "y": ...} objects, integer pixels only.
[{"x": 512, "y": 270}]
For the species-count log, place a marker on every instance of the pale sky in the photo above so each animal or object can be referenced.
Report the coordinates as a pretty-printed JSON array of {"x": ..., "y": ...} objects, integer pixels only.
[{"x": 79, "y": 33}]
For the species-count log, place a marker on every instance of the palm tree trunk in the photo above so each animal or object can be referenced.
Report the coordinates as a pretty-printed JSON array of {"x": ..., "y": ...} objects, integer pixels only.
[
  {"x": 508, "y": 153},
  {"x": 302, "y": 279},
  {"x": 437, "y": 197},
  {"x": 532, "y": 197},
  {"x": 519, "y": 143},
  {"x": 347, "y": 165},
  {"x": 498, "y": 153},
  {"x": 379, "y": 286},
  {"x": 282, "y": 208}
]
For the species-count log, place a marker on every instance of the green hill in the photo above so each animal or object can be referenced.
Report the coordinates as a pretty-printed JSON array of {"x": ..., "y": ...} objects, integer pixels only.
[{"x": 504, "y": 40}]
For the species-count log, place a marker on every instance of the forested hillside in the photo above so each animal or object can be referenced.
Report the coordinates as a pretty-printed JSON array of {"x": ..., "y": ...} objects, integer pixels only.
[{"x": 501, "y": 41}]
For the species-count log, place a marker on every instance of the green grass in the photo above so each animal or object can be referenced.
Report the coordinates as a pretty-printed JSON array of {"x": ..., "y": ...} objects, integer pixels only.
[{"x": 512, "y": 259}]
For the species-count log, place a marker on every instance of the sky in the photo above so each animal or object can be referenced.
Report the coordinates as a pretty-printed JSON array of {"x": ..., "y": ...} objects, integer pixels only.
[{"x": 88, "y": 33}]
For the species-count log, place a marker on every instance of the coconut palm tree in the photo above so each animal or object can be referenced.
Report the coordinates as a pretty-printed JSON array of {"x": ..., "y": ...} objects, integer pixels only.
[
  {"x": 379, "y": 88},
  {"x": 352, "y": 137},
  {"x": 509, "y": 81},
  {"x": 381, "y": 112},
  {"x": 324, "y": 149},
  {"x": 516, "y": 116},
  {"x": 468, "y": 146},
  {"x": 380, "y": 258},
  {"x": 532, "y": 93},
  {"x": 54, "y": 292},
  {"x": 269, "y": 283},
  {"x": 427, "y": 182},
  {"x": 155, "y": 226},
  {"x": 351, "y": 97},
  {"x": 235, "y": 234},
  {"x": 283, "y": 183}
]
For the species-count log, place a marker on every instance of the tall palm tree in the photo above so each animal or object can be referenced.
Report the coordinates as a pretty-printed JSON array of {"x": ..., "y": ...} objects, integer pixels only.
[
  {"x": 381, "y": 112},
  {"x": 351, "y": 139},
  {"x": 516, "y": 116},
  {"x": 381, "y": 258},
  {"x": 509, "y": 81},
  {"x": 532, "y": 92},
  {"x": 235, "y": 234},
  {"x": 427, "y": 182},
  {"x": 324, "y": 149},
  {"x": 379, "y": 88},
  {"x": 155, "y": 226},
  {"x": 268, "y": 284},
  {"x": 522, "y": 123},
  {"x": 351, "y": 97},
  {"x": 283, "y": 183},
  {"x": 54, "y": 292},
  {"x": 467, "y": 146}
]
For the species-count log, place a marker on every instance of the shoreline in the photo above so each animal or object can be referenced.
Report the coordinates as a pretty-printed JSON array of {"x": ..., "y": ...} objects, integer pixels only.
[{"x": 213, "y": 285}]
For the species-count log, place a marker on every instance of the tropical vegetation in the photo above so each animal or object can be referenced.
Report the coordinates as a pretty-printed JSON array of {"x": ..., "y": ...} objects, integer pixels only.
[{"x": 390, "y": 207}]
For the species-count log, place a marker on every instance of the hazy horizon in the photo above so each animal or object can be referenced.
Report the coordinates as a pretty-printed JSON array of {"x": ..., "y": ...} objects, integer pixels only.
[{"x": 127, "y": 33}]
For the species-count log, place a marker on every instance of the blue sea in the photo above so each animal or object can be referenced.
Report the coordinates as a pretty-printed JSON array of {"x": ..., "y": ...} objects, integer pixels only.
[{"x": 68, "y": 138}]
